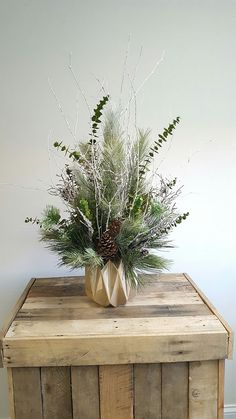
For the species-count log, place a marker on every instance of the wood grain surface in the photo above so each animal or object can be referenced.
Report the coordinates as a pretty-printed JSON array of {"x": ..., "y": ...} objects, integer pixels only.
[
  {"x": 191, "y": 390},
  {"x": 221, "y": 382},
  {"x": 175, "y": 390},
  {"x": 116, "y": 391},
  {"x": 56, "y": 393},
  {"x": 85, "y": 392},
  {"x": 203, "y": 390},
  {"x": 11, "y": 316},
  {"x": 147, "y": 391},
  {"x": 27, "y": 393},
  {"x": 56, "y": 324}
]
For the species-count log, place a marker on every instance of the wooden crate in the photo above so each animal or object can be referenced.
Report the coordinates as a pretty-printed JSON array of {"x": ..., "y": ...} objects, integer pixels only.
[{"x": 159, "y": 357}]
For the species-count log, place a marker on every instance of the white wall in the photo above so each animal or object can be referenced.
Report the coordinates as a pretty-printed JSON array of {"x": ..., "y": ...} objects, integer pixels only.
[{"x": 196, "y": 81}]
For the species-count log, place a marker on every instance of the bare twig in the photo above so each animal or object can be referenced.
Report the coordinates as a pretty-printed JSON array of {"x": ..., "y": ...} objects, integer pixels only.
[
  {"x": 78, "y": 84},
  {"x": 159, "y": 61},
  {"x": 62, "y": 110},
  {"x": 77, "y": 118},
  {"x": 101, "y": 84},
  {"x": 124, "y": 68}
]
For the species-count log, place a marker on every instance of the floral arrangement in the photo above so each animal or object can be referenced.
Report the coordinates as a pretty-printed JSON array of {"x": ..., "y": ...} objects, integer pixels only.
[{"x": 116, "y": 208}]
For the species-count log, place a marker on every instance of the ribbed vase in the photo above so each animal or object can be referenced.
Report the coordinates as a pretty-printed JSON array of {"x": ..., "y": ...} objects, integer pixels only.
[{"x": 107, "y": 286}]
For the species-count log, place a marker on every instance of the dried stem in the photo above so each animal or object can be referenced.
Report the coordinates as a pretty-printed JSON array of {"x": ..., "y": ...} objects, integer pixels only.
[{"x": 78, "y": 84}]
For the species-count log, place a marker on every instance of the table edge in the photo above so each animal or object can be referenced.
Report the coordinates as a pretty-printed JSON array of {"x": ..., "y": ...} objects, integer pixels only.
[
  {"x": 216, "y": 313},
  {"x": 11, "y": 316}
]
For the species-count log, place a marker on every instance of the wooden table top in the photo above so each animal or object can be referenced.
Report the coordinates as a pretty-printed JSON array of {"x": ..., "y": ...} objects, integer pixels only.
[{"x": 168, "y": 320}]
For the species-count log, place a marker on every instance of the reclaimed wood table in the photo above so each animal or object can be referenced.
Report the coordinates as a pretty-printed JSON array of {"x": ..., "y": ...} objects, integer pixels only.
[{"x": 161, "y": 356}]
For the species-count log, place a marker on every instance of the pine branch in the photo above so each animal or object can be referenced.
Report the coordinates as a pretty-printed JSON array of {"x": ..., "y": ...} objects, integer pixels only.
[
  {"x": 51, "y": 217},
  {"x": 75, "y": 259}
]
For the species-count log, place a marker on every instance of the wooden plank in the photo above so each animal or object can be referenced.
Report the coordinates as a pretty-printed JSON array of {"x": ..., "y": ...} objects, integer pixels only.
[
  {"x": 217, "y": 314},
  {"x": 47, "y": 287},
  {"x": 11, "y": 402},
  {"x": 27, "y": 393},
  {"x": 57, "y": 302},
  {"x": 56, "y": 392},
  {"x": 67, "y": 313},
  {"x": 147, "y": 391},
  {"x": 164, "y": 286},
  {"x": 57, "y": 281},
  {"x": 203, "y": 390},
  {"x": 85, "y": 392},
  {"x": 116, "y": 327},
  {"x": 175, "y": 390},
  {"x": 116, "y": 391},
  {"x": 58, "y": 287},
  {"x": 164, "y": 283},
  {"x": 165, "y": 298},
  {"x": 115, "y": 349},
  {"x": 149, "y": 279},
  {"x": 159, "y": 299},
  {"x": 11, "y": 317},
  {"x": 221, "y": 380}
]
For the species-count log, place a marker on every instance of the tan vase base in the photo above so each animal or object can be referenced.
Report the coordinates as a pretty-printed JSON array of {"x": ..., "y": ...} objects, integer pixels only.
[{"x": 107, "y": 286}]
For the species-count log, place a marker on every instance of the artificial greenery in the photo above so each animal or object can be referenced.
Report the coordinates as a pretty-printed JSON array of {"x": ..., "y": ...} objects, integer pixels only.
[{"x": 116, "y": 208}]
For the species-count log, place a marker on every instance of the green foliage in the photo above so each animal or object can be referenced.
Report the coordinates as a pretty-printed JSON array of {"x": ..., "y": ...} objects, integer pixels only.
[
  {"x": 84, "y": 207},
  {"x": 72, "y": 154},
  {"x": 51, "y": 216},
  {"x": 112, "y": 159},
  {"x": 172, "y": 183},
  {"x": 181, "y": 218},
  {"x": 137, "y": 206},
  {"x": 113, "y": 209},
  {"x": 138, "y": 156},
  {"x": 162, "y": 138},
  {"x": 130, "y": 229},
  {"x": 175, "y": 223},
  {"x": 142, "y": 262},
  {"x": 96, "y": 117},
  {"x": 156, "y": 209},
  {"x": 151, "y": 263},
  {"x": 31, "y": 220},
  {"x": 77, "y": 260}
]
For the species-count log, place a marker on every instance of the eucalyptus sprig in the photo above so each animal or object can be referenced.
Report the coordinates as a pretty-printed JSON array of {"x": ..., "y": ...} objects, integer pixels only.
[
  {"x": 72, "y": 154},
  {"x": 96, "y": 118},
  {"x": 162, "y": 138}
]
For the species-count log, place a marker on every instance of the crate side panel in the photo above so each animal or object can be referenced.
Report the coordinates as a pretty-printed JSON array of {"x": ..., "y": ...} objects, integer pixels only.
[
  {"x": 11, "y": 403},
  {"x": 56, "y": 392},
  {"x": 85, "y": 392},
  {"x": 27, "y": 393},
  {"x": 203, "y": 390},
  {"x": 116, "y": 391},
  {"x": 147, "y": 391},
  {"x": 221, "y": 379},
  {"x": 175, "y": 390}
]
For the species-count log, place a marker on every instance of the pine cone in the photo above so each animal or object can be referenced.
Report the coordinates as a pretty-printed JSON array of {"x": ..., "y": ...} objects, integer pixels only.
[
  {"x": 114, "y": 227},
  {"x": 107, "y": 247}
]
